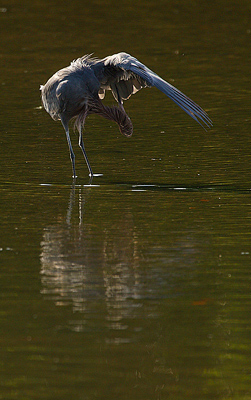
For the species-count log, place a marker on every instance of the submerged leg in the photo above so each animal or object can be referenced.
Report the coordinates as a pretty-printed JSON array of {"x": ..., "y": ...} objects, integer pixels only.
[
  {"x": 72, "y": 155},
  {"x": 81, "y": 144}
]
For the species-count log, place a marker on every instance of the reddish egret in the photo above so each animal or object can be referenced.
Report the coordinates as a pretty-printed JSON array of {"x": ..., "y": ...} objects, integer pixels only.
[{"x": 76, "y": 91}]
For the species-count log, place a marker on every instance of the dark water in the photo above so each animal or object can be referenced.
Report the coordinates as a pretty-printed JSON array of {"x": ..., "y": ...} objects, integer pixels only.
[{"x": 138, "y": 286}]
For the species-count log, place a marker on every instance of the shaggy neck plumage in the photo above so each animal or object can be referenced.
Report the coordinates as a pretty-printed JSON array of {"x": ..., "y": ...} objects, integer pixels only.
[{"x": 113, "y": 113}]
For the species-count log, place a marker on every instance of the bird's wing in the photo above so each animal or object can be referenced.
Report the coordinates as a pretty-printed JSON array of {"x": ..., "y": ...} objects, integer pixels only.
[
  {"x": 119, "y": 79},
  {"x": 130, "y": 75}
]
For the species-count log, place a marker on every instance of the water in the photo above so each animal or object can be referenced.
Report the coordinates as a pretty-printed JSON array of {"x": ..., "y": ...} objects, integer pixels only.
[{"x": 138, "y": 284}]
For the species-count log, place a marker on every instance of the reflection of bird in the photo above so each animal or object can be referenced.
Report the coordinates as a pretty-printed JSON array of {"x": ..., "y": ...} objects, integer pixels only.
[{"x": 77, "y": 90}]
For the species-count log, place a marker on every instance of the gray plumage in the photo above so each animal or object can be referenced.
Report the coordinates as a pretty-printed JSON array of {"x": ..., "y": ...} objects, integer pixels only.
[{"x": 76, "y": 91}]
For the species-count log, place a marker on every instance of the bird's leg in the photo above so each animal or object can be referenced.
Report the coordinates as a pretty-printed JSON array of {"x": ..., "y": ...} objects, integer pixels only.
[
  {"x": 81, "y": 145},
  {"x": 72, "y": 155}
]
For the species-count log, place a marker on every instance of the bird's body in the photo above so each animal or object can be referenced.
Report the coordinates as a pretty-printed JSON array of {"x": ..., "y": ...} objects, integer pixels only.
[{"x": 77, "y": 91}]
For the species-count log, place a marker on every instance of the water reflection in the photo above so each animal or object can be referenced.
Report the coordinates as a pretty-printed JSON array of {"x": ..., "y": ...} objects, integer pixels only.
[
  {"x": 80, "y": 270},
  {"x": 103, "y": 267}
]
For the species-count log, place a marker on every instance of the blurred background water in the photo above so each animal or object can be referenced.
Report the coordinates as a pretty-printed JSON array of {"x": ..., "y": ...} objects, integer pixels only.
[{"x": 137, "y": 286}]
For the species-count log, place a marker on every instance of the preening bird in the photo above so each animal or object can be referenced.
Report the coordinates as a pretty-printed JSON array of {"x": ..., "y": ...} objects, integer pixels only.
[{"x": 77, "y": 90}]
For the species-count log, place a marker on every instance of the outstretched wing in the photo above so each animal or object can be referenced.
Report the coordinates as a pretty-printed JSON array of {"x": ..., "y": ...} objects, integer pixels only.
[
  {"x": 125, "y": 75},
  {"x": 117, "y": 77}
]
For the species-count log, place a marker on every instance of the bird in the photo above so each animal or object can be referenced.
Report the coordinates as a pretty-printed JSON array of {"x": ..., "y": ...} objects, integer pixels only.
[{"x": 76, "y": 91}]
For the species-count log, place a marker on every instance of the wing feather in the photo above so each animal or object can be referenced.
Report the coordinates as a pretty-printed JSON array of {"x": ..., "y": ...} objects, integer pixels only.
[{"x": 131, "y": 75}]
